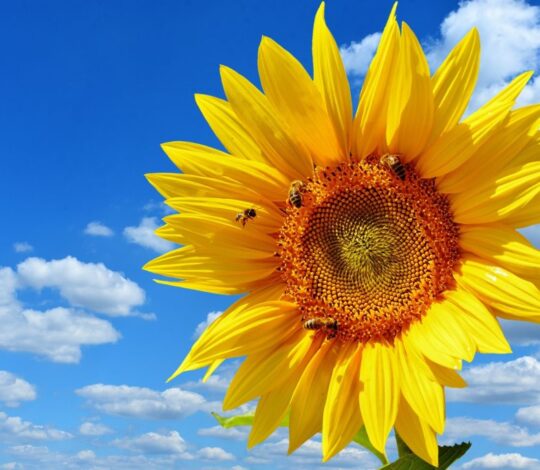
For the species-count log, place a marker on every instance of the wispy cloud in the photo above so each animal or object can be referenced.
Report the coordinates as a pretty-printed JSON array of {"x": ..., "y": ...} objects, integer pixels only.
[
  {"x": 97, "y": 229},
  {"x": 22, "y": 247}
]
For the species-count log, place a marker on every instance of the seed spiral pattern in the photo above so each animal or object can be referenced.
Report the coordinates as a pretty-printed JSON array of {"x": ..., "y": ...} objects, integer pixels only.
[{"x": 368, "y": 249}]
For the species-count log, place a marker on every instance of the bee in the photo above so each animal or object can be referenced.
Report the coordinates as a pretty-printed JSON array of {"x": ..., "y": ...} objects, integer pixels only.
[
  {"x": 245, "y": 216},
  {"x": 329, "y": 324},
  {"x": 295, "y": 193},
  {"x": 393, "y": 162}
]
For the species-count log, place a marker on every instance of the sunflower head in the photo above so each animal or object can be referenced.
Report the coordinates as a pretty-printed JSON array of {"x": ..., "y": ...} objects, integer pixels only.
[{"x": 376, "y": 251}]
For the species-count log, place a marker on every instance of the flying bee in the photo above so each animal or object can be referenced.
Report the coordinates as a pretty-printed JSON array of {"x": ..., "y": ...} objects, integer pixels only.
[
  {"x": 329, "y": 324},
  {"x": 393, "y": 162},
  {"x": 295, "y": 193},
  {"x": 245, "y": 216}
]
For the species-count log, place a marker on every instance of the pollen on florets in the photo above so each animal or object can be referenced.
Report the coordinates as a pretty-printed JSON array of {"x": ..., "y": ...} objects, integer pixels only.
[{"x": 369, "y": 249}]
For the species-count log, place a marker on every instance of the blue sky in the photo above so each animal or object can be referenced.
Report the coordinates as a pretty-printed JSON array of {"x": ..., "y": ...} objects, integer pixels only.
[{"x": 89, "y": 90}]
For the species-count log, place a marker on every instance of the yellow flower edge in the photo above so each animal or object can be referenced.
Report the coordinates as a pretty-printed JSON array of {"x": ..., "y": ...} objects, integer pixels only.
[{"x": 376, "y": 251}]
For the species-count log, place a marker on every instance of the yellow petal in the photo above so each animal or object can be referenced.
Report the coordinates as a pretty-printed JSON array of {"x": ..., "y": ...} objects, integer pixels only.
[
  {"x": 417, "y": 434},
  {"x": 380, "y": 377},
  {"x": 420, "y": 388},
  {"x": 441, "y": 322},
  {"x": 204, "y": 161},
  {"x": 445, "y": 376},
  {"x": 228, "y": 129},
  {"x": 271, "y": 410},
  {"x": 506, "y": 148},
  {"x": 331, "y": 79},
  {"x": 243, "y": 332},
  {"x": 511, "y": 295},
  {"x": 455, "y": 147},
  {"x": 503, "y": 246},
  {"x": 211, "y": 369},
  {"x": 433, "y": 346},
  {"x": 309, "y": 397},
  {"x": 514, "y": 193},
  {"x": 478, "y": 322},
  {"x": 267, "y": 217},
  {"x": 294, "y": 95},
  {"x": 265, "y": 371},
  {"x": 410, "y": 105},
  {"x": 341, "y": 415},
  {"x": 453, "y": 83},
  {"x": 370, "y": 122},
  {"x": 271, "y": 134},
  {"x": 189, "y": 264}
]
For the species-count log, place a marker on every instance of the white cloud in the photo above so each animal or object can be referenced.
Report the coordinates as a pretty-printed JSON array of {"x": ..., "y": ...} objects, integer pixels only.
[
  {"x": 97, "y": 229},
  {"x": 357, "y": 55},
  {"x": 13, "y": 389},
  {"x": 510, "y": 37},
  {"x": 86, "y": 455},
  {"x": 529, "y": 415},
  {"x": 214, "y": 453},
  {"x": 140, "y": 402},
  {"x": 503, "y": 461},
  {"x": 505, "y": 433},
  {"x": 94, "y": 429},
  {"x": 13, "y": 427},
  {"x": 224, "y": 433},
  {"x": 144, "y": 235},
  {"x": 56, "y": 334},
  {"x": 22, "y": 247},
  {"x": 88, "y": 285},
  {"x": 155, "y": 443},
  {"x": 512, "y": 382}
]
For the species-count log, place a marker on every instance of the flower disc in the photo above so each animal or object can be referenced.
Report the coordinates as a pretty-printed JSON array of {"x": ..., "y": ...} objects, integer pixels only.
[{"x": 367, "y": 249}]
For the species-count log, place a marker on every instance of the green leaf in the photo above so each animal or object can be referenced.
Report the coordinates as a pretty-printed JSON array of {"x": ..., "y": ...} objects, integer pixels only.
[
  {"x": 241, "y": 420},
  {"x": 447, "y": 456},
  {"x": 362, "y": 438}
]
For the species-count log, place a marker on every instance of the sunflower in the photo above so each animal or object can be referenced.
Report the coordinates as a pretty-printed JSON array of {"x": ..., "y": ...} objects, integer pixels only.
[{"x": 376, "y": 251}]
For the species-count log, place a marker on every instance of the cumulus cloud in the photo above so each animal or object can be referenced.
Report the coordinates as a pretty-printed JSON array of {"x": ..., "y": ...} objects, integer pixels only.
[
  {"x": 503, "y": 461},
  {"x": 512, "y": 382},
  {"x": 214, "y": 453},
  {"x": 504, "y": 433},
  {"x": 88, "y": 285},
  {"x": 143, "y": 235},
  {"x": 357, "y": 55},
  {"x": 22, "y": 247},
  {"x": 14, "y": 428},
  {"x": 140, "y": 402},
  {"x": 13, "y": 389},
  {"x": 56, "y": 334},
  {"x": 155, "y": 443},
  {"x": 94, "y": 429},
  {"x": 510, "y": 36},
  {"x": 97, "y": 229}
]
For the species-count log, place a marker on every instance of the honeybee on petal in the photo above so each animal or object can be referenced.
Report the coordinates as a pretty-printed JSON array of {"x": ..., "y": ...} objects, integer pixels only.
[
  {"x": 328, "y": 324},
  {"x": 245, "y": 216},
  {"x": 393, "y": 162},
  {"x": 295, "y": 193}
]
